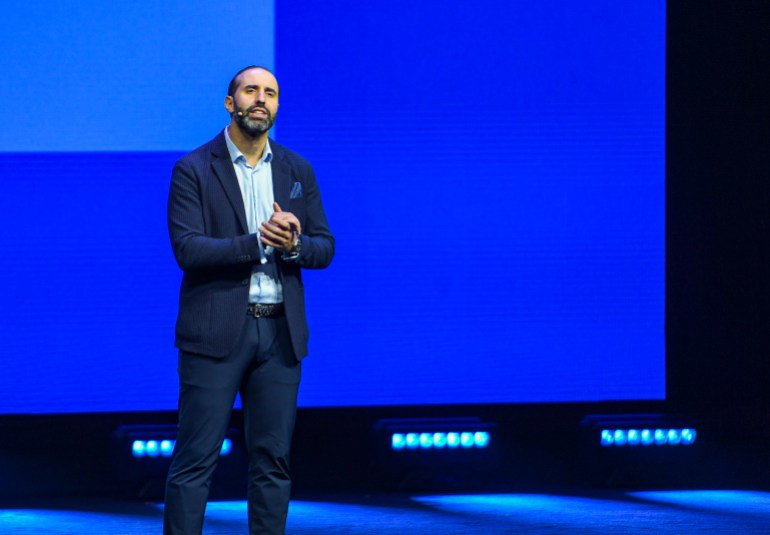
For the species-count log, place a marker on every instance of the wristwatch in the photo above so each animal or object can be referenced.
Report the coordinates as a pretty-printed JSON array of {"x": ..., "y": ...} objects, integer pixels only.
[{"x": 295, "y": 250}]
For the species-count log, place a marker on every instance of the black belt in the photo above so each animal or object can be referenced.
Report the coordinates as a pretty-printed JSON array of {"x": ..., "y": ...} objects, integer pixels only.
[{"x": 264, "y": 311}]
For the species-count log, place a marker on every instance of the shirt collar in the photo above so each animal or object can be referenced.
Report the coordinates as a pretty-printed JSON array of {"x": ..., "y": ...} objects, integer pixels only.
[{"x": 236, "y": 154}]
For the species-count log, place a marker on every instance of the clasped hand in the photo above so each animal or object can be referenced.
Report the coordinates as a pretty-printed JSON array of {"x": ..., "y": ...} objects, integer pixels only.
[{"x": 281, "y": 230}]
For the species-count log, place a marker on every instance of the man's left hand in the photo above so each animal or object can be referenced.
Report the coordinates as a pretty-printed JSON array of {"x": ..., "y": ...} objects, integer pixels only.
[{"x": 281, "y": 230}]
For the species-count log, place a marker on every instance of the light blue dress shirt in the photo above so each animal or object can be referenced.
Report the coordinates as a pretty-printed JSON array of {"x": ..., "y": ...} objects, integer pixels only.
[{"x": 256, "y": 185}]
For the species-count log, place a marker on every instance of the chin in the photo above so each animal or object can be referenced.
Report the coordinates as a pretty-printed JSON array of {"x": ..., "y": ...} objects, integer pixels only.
[{"x": 254, "y": 128}]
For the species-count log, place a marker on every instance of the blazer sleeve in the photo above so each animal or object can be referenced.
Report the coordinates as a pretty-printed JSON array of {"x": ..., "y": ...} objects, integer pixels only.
[{"x": 194, "y": 237}]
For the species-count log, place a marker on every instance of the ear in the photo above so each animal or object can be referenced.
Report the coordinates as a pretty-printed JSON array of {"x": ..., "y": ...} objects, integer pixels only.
[{"x": 229, "y": 104}]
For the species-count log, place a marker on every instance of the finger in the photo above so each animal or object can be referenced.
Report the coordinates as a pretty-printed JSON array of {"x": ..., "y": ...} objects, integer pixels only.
[
  {"x": 279, "y": 222},
  {"x": 276, "y": 242},
  {"x": 292, "y": 220},
  {"x": 275, "y": 232},
  {"x": 294, "y": 223},
  {"x": 272, "y": 240},
  {"x": 271, "y": 243}
]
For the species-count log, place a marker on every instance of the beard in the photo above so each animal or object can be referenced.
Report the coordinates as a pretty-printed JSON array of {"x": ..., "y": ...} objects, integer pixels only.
[{"x": 251, "y": 126}]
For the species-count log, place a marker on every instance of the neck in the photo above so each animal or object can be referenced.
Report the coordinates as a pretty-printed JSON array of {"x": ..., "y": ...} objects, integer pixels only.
[{"x": 251, "y": 147}]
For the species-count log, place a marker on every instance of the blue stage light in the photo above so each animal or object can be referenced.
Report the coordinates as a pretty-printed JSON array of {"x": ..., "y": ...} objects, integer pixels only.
[
  {"x": 673, "y": 437},
  {"x": 646, "y": 437},
  {"x": 166, "y": 447},
  {"x": 466, "y": 440},
  {"x": 153, "y": 448},
  {"x": 637, "y": 430},
  {"x": 481, "y": 438},
  {"x": 428, "y": 435},
  {"x": 138, "y": 448},
  {"x": 440, "y": 440},
  {"x": 155, "y": 444},
  {"x": 688, "y": 436}
]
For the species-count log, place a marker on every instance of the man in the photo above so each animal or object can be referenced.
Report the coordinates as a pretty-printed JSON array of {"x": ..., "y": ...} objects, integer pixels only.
[{"x": 244, "y": 216}]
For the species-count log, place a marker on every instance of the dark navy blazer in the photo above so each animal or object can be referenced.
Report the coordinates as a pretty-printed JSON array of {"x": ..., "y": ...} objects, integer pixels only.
[{"x": 212, "y": 245}]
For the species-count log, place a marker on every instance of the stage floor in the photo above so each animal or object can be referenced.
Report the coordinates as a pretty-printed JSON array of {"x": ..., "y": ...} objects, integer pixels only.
[{"x": 599, "y": 512}]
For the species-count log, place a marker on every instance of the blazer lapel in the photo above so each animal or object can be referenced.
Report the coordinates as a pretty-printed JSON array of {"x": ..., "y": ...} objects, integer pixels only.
[
  {"x": 224, "y": 171},
  {"x": 281, "y": 178}
]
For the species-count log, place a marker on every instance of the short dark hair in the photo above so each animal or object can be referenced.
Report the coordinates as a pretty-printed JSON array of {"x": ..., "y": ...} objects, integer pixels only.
[{"x": 234, "y": 82}]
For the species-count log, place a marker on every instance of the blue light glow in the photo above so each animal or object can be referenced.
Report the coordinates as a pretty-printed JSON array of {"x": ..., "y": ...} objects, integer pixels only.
[
  {"x": 166, "y": 447},
  {"x": 688, "y": 436},
  {"x": 647, "y": 437},
  {"x": 153, "y": 448},
  {"x": 674, "y": 437},
  {"x": 138, "y": 448},
  {"x": 440, "y": 440},
  {"x": 481, "y": 438}
]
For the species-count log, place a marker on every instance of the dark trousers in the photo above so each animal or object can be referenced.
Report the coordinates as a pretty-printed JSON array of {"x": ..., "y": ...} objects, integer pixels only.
[{"x": 263, "y": 369}]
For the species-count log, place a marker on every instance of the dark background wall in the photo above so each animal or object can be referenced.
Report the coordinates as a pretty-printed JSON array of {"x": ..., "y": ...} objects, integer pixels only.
[{"x": 718, "y": 166}]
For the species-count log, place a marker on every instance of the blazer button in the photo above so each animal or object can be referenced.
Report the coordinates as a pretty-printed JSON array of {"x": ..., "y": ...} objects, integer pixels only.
[{"x": 245, "y": 282}]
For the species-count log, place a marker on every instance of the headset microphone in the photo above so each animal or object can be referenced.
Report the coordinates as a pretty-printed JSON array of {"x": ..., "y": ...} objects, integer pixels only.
[{"x": 240, "y": 113}]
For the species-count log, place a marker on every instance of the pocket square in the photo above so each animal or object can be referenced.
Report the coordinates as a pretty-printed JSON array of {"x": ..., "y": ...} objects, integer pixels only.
[{"x": 296, "y": 190}]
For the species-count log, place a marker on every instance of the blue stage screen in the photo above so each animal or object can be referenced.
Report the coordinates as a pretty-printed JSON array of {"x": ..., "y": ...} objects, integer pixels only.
[{"x": 493, "y": 173}]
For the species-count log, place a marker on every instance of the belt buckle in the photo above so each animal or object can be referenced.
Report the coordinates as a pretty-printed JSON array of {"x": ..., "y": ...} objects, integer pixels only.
[{"x": 258, "y": 310}]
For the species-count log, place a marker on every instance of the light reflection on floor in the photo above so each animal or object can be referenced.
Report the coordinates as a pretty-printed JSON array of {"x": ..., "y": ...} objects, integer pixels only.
[
  {"x": 589, "y": 512},
  {"x": 714, "y": 501},
  {"x": 69, "y": 522},
  {"x": 371, "y": 516},
  {"x": 650, "y": 511}
]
